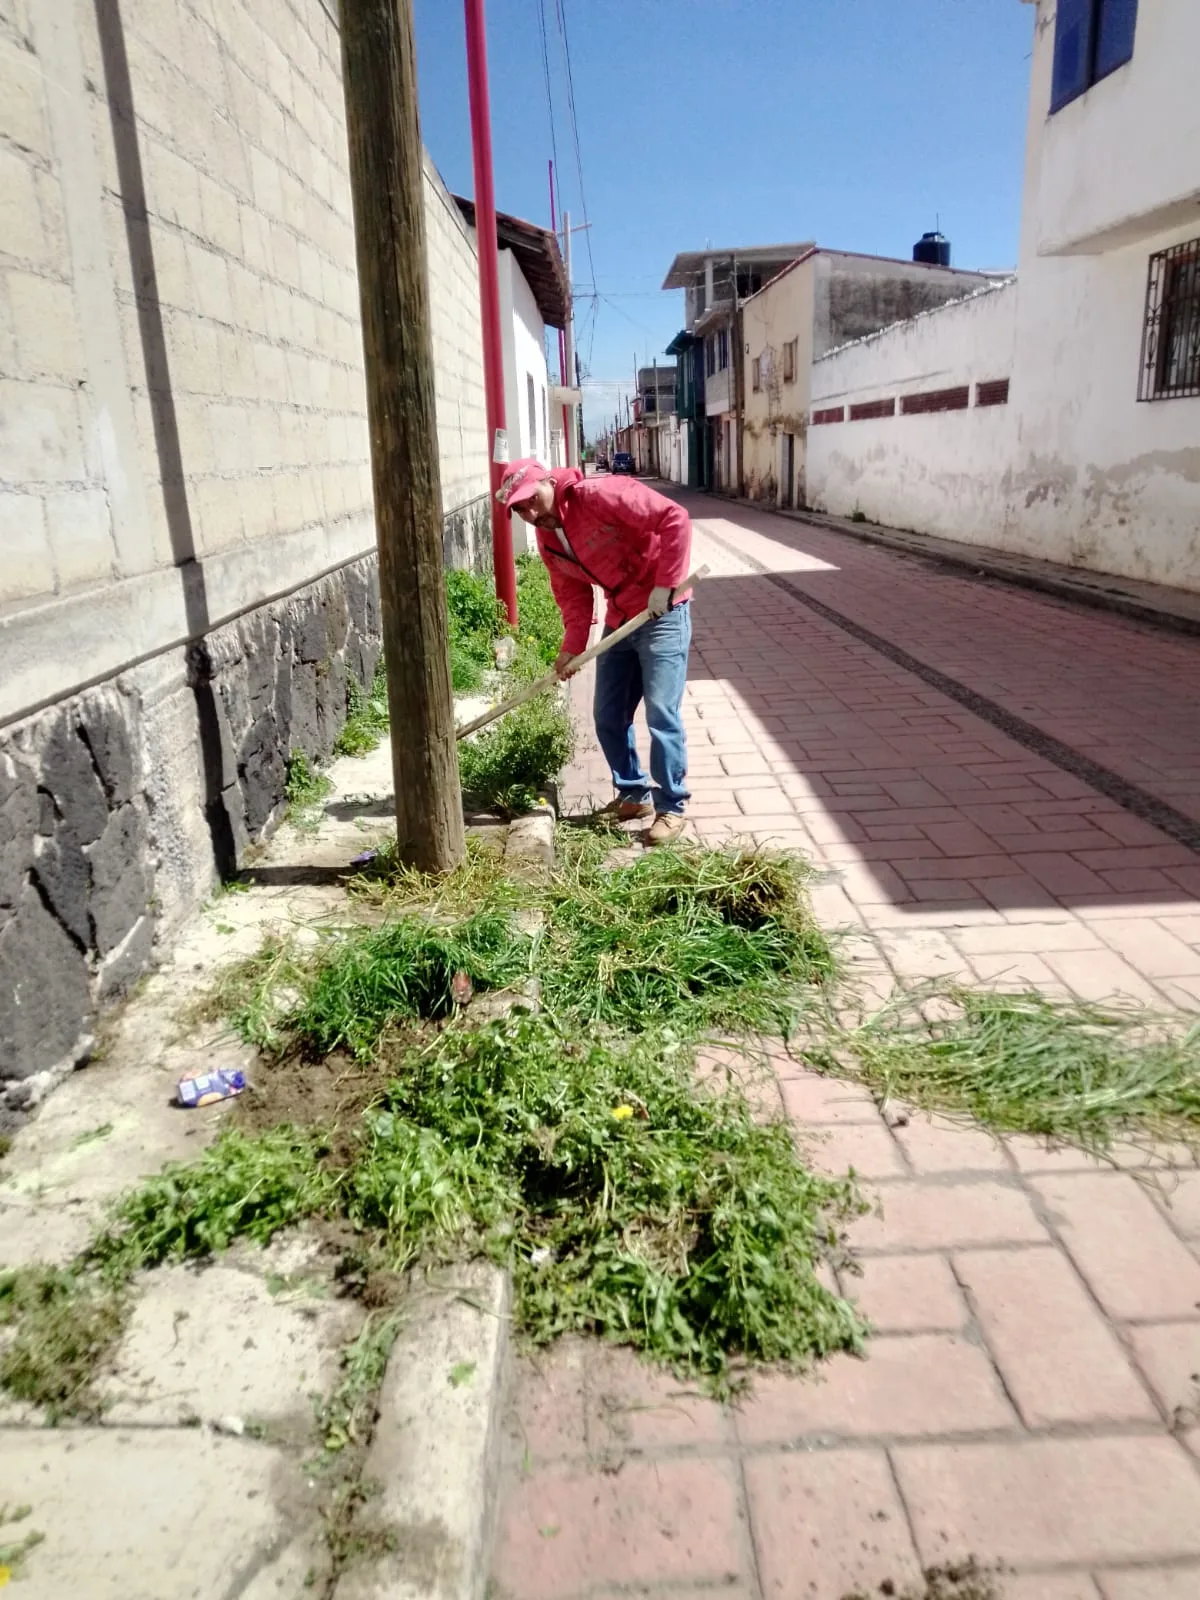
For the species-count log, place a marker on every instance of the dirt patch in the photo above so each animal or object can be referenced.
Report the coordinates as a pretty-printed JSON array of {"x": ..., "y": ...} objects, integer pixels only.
[
  {"x": 330, "y": 1093},
  {"x": 960, "y": 1580}
]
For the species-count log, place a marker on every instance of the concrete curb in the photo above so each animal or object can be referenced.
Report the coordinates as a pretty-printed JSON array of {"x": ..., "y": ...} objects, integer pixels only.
[
  {"x": 435, "y": 1451},
  {"x": 530, "y": 842},
  {"x": 436, "y": 1448},
  {"x": 1177, "y": 610}
]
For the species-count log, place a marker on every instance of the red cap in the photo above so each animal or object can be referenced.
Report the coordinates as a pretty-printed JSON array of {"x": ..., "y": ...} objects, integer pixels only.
[{"x": 519, "y": 482}]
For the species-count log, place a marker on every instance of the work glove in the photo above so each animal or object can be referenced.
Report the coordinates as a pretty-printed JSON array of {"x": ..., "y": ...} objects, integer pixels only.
[{"x": 659, "y": 602}]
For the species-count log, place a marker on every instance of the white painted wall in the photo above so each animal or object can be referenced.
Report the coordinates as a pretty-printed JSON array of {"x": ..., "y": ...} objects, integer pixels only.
[
  {"x": 524, "y": 335},
  {"x": 1099, "y": 479},
  {"x": 1119, "y": 162},
  {"x": 938, "y": 472}
]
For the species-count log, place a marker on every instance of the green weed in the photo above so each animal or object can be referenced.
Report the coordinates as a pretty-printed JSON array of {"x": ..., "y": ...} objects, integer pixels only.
[
  {"x": 306, "y": 789},
  {"x": 346, "y": 1416},
  {"x": 503, "y": 767},
  {"x": 63, "y": 1322},
  {"x": 1022, "y": 1063},
  {"x": 475, "y": 621},
  {"x": 540, "y": 625},
  {"x": 240, "y": 1187},
  {"x": 366, "y": 715}
]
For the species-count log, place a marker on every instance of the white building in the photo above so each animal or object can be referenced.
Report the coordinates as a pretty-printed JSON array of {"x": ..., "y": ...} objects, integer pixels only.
[{"x": 1059, "y": 416}]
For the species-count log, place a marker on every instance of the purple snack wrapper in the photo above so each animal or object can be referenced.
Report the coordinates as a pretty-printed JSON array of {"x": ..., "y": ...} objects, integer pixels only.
[{"x": 208, "y": 1087}]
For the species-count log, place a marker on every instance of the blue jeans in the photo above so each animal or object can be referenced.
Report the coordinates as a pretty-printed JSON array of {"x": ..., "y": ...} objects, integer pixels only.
[{"x": 650, "y": 665}]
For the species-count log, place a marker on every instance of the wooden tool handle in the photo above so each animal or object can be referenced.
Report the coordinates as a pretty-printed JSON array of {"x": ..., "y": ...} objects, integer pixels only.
[{"x": 551, "y": 678}]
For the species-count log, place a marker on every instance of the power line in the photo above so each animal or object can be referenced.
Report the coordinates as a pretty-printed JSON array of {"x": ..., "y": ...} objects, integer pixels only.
[
  {"x": 562, "y": 28},
  {"x": 541, "y": 11}
]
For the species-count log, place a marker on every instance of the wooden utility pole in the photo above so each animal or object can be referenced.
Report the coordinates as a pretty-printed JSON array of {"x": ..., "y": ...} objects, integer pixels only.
[{"x": 379, "y": 69}]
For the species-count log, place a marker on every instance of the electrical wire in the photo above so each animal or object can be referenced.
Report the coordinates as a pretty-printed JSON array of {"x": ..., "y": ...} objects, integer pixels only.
[
  {"x": 560, "y": 13},
  {"x": 541, "y": 11}
]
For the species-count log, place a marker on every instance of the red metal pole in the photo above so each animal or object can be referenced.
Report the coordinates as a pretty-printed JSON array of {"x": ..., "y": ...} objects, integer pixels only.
[
  {"x": 562, "y": 338},
  {"x": 489, "y": 296}
]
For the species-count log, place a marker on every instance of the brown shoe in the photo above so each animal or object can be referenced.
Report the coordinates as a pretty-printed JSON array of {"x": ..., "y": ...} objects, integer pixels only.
[
  {"x": 627, "y": 810},
  {"x": 665, "y": 829}
]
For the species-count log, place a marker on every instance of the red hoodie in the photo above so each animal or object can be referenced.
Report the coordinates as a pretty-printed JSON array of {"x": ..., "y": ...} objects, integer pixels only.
[{"x": 623, "y": 537}]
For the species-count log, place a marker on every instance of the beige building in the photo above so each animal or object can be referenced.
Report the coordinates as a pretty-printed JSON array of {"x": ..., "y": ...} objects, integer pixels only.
[
  {"x": 188, "y": 574},
  {"x": 823, "y": 299}
]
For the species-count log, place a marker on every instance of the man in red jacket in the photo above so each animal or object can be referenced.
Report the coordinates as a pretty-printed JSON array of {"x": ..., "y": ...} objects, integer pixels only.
[{"x": 620, "y": 536}]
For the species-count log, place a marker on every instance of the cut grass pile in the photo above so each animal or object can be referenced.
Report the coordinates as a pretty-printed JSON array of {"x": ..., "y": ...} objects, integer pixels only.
[
  {"x": 366, "y": 979},
  {"x": 60, "y": 1324},
  {"x": 574, "y": 1145},
  {"x": 1074, "y": 1073},
  {"x": 698, "y": 940},
  {"x": 703, "y": 937},
  {"x": 627, "y": 1203}
]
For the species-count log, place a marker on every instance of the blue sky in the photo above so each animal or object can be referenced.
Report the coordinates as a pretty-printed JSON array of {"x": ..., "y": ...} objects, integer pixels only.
[{"x": 737, "y": 122}]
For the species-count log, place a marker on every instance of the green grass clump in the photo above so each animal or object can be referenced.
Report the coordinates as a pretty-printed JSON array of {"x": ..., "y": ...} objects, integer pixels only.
[
  {"x": 306, "y": 788},
  {"x": 1022, "y": 1063},
  {"x": 366, "y": 715},
  {"x": 702, "y": 938},
  {"x": 364, "y": 979},
  {"x": 475, "y": 621},
  {"x": 240, "y": 1187},
  {"x": 503, "y": 767},
  {"x": 346, "y": 1416},
  {"x": 540, "y": 624},
  {"x": 62, "y": 1322}
]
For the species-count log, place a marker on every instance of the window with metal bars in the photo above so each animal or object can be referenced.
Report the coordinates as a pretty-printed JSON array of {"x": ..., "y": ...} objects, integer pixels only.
[{"x": 1171, "y": 332}]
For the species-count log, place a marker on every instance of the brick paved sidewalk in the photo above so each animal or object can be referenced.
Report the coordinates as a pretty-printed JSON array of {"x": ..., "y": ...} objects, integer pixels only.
[{"x": 1031, "y": 1394}]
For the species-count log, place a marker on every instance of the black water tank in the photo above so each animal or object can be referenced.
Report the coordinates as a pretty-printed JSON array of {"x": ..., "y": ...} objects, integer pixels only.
[{"x": 933, "y": 249}]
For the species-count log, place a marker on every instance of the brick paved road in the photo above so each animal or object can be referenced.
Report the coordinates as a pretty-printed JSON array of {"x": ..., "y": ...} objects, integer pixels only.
[{"x": 1032, "y": 1394}]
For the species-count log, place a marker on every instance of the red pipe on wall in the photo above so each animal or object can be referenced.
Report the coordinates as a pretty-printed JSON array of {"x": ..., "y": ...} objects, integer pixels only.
[{"x": 489, "y": 296}]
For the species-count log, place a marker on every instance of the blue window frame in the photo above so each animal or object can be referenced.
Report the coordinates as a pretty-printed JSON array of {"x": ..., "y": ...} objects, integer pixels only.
[{"x": 1091, "y": 39}]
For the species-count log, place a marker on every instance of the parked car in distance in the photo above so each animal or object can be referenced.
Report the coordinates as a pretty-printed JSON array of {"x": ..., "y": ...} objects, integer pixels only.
[{"x": 622, "y": 461}]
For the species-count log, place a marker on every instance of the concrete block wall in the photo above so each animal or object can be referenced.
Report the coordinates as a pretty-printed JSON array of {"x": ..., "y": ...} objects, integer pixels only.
[{"x": 185, "y": 493}]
